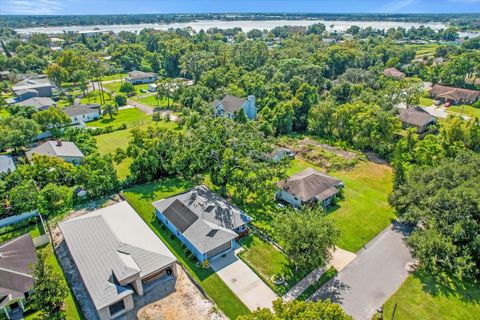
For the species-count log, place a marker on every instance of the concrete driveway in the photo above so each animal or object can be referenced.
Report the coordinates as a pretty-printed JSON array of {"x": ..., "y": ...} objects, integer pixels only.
[
  {"x": 369, "y": 280},
  {"x": 245, "y": 283}
]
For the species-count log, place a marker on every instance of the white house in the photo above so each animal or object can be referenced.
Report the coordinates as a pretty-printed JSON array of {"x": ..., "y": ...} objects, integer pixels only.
[
  {"x": 139, "y": 77},
  {"x": 81, "y": 113},
  {"x": 230, "y": 105},
  {"x": 152, "y": 87},
  {"x": 65, "y": 150}
]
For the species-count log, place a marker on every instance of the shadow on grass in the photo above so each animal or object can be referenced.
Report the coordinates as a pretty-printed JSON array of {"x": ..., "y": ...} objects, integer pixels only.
[{"x": 467, "y": 291}]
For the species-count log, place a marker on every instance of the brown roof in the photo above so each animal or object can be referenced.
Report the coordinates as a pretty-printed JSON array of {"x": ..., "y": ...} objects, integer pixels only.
[
  {"x": 416, "y": 117},
  {"x": 230, "y": 103},
  {"x": 309, "y": 184},
  {"x": 16, "y": 259},
  {"x": 393, "y": 72},
  {"x": 454, "y": 93}
]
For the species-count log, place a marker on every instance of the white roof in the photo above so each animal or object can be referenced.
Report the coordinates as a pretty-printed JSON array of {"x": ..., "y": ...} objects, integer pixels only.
[{"x": 51, "y": 148}]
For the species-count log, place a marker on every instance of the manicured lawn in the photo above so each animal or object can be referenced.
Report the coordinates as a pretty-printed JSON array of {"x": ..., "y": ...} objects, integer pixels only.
[
  {"x": 466, "y": 109},
  {"x": 421, "y": 298},
  {"x": 116, "y": 76},
  {"x": 132, "y": 117},
  {"x": 115, "y": 87},
  {"x": 365, "y": 210},
  {"x": 35, "y": 229},
  {"x": 426, "y": 102},
  {"x": 72, "y": 309},
  {"x": 267, "y": 261},
  {"x": 152, "y": 101},
  {"x": 141, "y": 197},
  {"x": 94, "y": 97}
]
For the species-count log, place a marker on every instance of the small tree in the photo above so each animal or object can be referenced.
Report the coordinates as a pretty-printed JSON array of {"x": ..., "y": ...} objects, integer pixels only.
[
  {"x": 49, "y": 290},
  {"x": 110, "y": 109},
  {"x": 120, "y": 100},
  {"x": 127, "y": 87},
  {"x": 56, "y": 199}
]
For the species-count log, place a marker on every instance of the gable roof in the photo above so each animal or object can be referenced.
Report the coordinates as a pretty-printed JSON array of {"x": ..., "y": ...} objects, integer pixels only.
[
  {"x": 309, "y": 184},
  {"x": 37, "y": 102},
  {"x": 16, "y": 259},
  {"x": 140, "y": 74},
  {"x": 454, "y": 93},
  {"x": 80, "y": 109},
  {"x": 416, "y": 117},
  {"x": 231, "y": 104},
  {"x": 393, "y": 72},
  {"x": 51, "y": 148},
  {"x": 6, "y": 164},
  {"x": 203, "y": 217},
  {"x": 112, "y": 244}
]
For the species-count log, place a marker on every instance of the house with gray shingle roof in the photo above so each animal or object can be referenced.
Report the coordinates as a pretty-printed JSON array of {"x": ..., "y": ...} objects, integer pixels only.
[
  {"x": 17, "y": 256},
  {"x": 81, "y": 113},
  {"x": 116, "y": 255},
  {"x": 203, "y": 221},
  {"x": 230, "y": 105},
  {"x": 39, "y": 103},
  {"x": 138, "y": 77},
  {"x": 33, "y": 87},
  {"x": 65, "y": 150}
]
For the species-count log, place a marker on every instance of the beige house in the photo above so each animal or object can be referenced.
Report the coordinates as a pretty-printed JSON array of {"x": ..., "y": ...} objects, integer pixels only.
[
  {"x": 416, "y": 117},
  {"x": 116, "y": 255}
]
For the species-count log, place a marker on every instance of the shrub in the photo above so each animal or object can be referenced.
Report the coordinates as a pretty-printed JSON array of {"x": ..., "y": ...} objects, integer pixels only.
[
  {"x": 120, "y": 100},
  {"x": 127, "y": 88}
]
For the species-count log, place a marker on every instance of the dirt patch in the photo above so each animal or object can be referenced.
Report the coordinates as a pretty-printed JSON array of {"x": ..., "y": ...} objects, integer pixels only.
[{"x": 337, "y": 151}]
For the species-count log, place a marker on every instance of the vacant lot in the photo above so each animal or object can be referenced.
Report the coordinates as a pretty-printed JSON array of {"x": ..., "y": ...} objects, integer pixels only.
[
  {"x": 420, "y": 297},
  {"x": 141, "y": 198},
  {"x": 94, "y": 97},
  {"x": 465, "y": 109},
  {"x": 132, "y": 117}
]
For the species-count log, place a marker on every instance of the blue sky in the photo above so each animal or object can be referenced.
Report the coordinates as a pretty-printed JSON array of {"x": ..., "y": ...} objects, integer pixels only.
[{"x": 200, "y": 6}]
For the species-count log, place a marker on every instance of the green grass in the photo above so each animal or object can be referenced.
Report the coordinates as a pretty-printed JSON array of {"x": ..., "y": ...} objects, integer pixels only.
[
  {"x": 71, "y": 308},
  {"x": 35, "y": 229},
  {"x": 267, "y": 261},
  {"x": 94, "y": 97},
  {"x": 116, "y": 76},
  {"x": 424, "y": 49},
  {"x": 420, "y": 297},
  {"x": 152, "y": 101},
  {"x": 365, "y": 210},
  {"x": 141, "y": 198},
  {"x": 466, "y": 109},
  {"x": 132, "y": 117},
  {"x": 329, "y": 274},
  {"x": 115, "y": 87},
  {"x": 426, "y": 102}
]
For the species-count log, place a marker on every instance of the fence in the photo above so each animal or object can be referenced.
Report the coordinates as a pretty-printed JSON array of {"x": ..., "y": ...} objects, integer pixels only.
[{"x": 37, "y": 241}]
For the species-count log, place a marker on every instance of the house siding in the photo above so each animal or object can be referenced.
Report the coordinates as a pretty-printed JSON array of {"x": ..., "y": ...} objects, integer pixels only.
[
  {"x": 104, "y": 313},
  {"x": 289, "y": 198},
  {"x": 142, "y": 80},
  {"x": 85, "y": 117}
]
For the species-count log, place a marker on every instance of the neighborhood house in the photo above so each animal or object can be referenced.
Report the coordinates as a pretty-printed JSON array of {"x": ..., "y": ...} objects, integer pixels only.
[
  {"x": 39, "y": 103},
  {"x": 416, "y": 117},
  {"x": 394, "y": 73},
  {"x": 65, "y": 150},
  {"x": 455, "y": 95},
  {"x": 280, "y": 153},
  {"x": 116, "y": 254},
  {"x": 230, "y": 105},
  {"x": 81, "y": 113},
  {"x": 33, "y": 87},
  {"x": 6, "y": 164},
  {"x": 309, "y": 186},
  {"x": 17, "y": 257},
  {"x": 203, "y": 221},
  {"x": 139, "y": 77}
]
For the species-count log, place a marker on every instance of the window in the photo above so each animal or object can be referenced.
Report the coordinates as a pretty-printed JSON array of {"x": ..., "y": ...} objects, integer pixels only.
[{"x": 116, "y": 307}]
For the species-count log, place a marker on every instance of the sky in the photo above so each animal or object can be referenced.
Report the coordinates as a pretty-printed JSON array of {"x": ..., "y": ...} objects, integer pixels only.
[{"x": 66, "y": 7}]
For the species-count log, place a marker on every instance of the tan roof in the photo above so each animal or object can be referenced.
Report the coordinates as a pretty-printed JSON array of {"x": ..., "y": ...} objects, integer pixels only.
[
  {"x": 454, "y": 93},
  {"x": 230, "y": 103},
  {"x": 416, "y": 117},
  {"x": 393, "y": 72},
  {"x": 309, "y": 184}
]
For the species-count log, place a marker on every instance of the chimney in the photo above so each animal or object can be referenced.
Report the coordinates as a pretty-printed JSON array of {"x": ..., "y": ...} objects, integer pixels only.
[{"x": 59, "y": 143}]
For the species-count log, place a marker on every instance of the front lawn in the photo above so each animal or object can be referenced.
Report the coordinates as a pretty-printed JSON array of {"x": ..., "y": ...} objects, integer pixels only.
[
  {"x": 426, "y": 102},
  {"x": 132, "y": 117},
  {"x": 465, "y": 109},
  {"x": 94, "y": 97},
  {"x": 420, "y": 297},
  {"x": 151, "y": 100},
  {"x": 267, "y": 261},
  {"x": 116, "y": 76},
  {"x": 365, "y": 210},
  {"x": 141, "y": 198},
  {"x": 115, "y": 87}
]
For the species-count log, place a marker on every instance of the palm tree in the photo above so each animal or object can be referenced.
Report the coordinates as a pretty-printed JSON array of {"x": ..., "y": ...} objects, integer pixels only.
[{"x": 111, "y": 109}]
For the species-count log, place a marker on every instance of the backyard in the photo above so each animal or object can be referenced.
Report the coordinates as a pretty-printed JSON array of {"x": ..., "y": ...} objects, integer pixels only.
[
  {"x": 94, "y": 97},
  {"x": 141, "y": 198},
  {"x": 132, "y": 117},
  {"x": 470, "y": 111},
  {"x": 420, "y": 297},
  {"x": 33, "y": 226}
]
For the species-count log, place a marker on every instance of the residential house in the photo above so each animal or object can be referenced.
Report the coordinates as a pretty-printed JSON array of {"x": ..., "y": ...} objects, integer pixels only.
[
  {"x": 17, "y": 257},
  {"x": 416, "y": 117},
  {"x": 152, "y": 87},
  {"x": 203, "y": 221},
  {"x": 309, "y": 186},
  {"x": 230, "y": 105},
  {"x": 455, "y": 95},
  {"x": 81, "y": 113},
  {"x": 65, "y": 150},
  {"x": 116, "y": 255},
  {"x": 39, "y": 103},
  {"x": 139, "y": 77},
  {"x": 6, "y": 164},
  {"x": 33, "y": 87},
  {"x": 4, "y": 75},
  {"x": 280, "y": 153},
  {"x": 394, "y": 73}
]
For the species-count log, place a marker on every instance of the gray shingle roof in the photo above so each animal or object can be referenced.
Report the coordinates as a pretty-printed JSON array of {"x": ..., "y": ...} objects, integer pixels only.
[
  {"x": 6, "y": 164},
  {"x": 112, "y": 244},
  {"x": 16, "y": 259},
  {"x": 80, "y": 109},
  {"x": 140, "y": 74},
  {"x": 309, "y": 184},
  {"x": 207, "y": 219},
  {"x": 31, "y": 83},
  {"x": 416, "y": 117},
  {"x": 37, "y": 102},
  {"x": 50, "y": 148},
  {"x": 230, "y": 103}
]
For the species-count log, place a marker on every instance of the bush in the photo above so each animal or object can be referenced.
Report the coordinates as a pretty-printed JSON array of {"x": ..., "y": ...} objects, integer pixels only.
[
  {"x": 120, "y": 100},
  {"x": 127, "y": 88}
]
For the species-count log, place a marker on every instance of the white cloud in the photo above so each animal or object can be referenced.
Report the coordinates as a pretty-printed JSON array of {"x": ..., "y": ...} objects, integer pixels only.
[{"x": 32, "y": 7}]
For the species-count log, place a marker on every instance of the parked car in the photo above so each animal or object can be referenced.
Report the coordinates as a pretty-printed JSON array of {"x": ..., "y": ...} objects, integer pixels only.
[{"x": 447, "y": 104}]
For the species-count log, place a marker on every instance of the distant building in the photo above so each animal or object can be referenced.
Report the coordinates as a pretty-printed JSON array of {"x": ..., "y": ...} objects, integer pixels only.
[
  {"x": 203, "y": 221},
  {"x": 394, "y": 73},
  {"x": 39, "y": 103},
  {"x": 33, "y": 87},
  {"x": 6, "y": 164},
  {"x": 4, "y": 75},
  {"x": 116, "y": 255},
  {"x": 81, "y": 113},
  {"x": 17, "y": 256},
  {"x": 309, "y": 186},
  {"x": 139, "y": 77},
  {"x": 455, "y": 95},
  {"x": 65, "y": 150},
  {"x": 280, "y": 153},
  {"x": 416, "y": 117},
  {"x": 230, "y": 105},
  {"x": 152, "y": 87}
]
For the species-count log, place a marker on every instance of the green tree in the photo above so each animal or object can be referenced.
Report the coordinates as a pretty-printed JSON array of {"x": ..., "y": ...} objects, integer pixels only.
[
  {"x": 51, "y": 119},
  {"x": 98, "y": 176},
  {"x": 49, "y": 289},
  {"x": 16, "y": 132},
  {"x": 56, "y": 199},
  {"x": 24, "y": 197},
  {"x": 110, "y": 109},
  {"x": 127, "y": 87},
  {"x": 120, "y": 100},
  {"x": 307, "y": 236}
]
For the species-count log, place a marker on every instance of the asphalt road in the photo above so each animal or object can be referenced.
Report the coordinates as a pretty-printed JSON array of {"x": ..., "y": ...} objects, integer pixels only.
[{"x": 369, "y": 280}]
